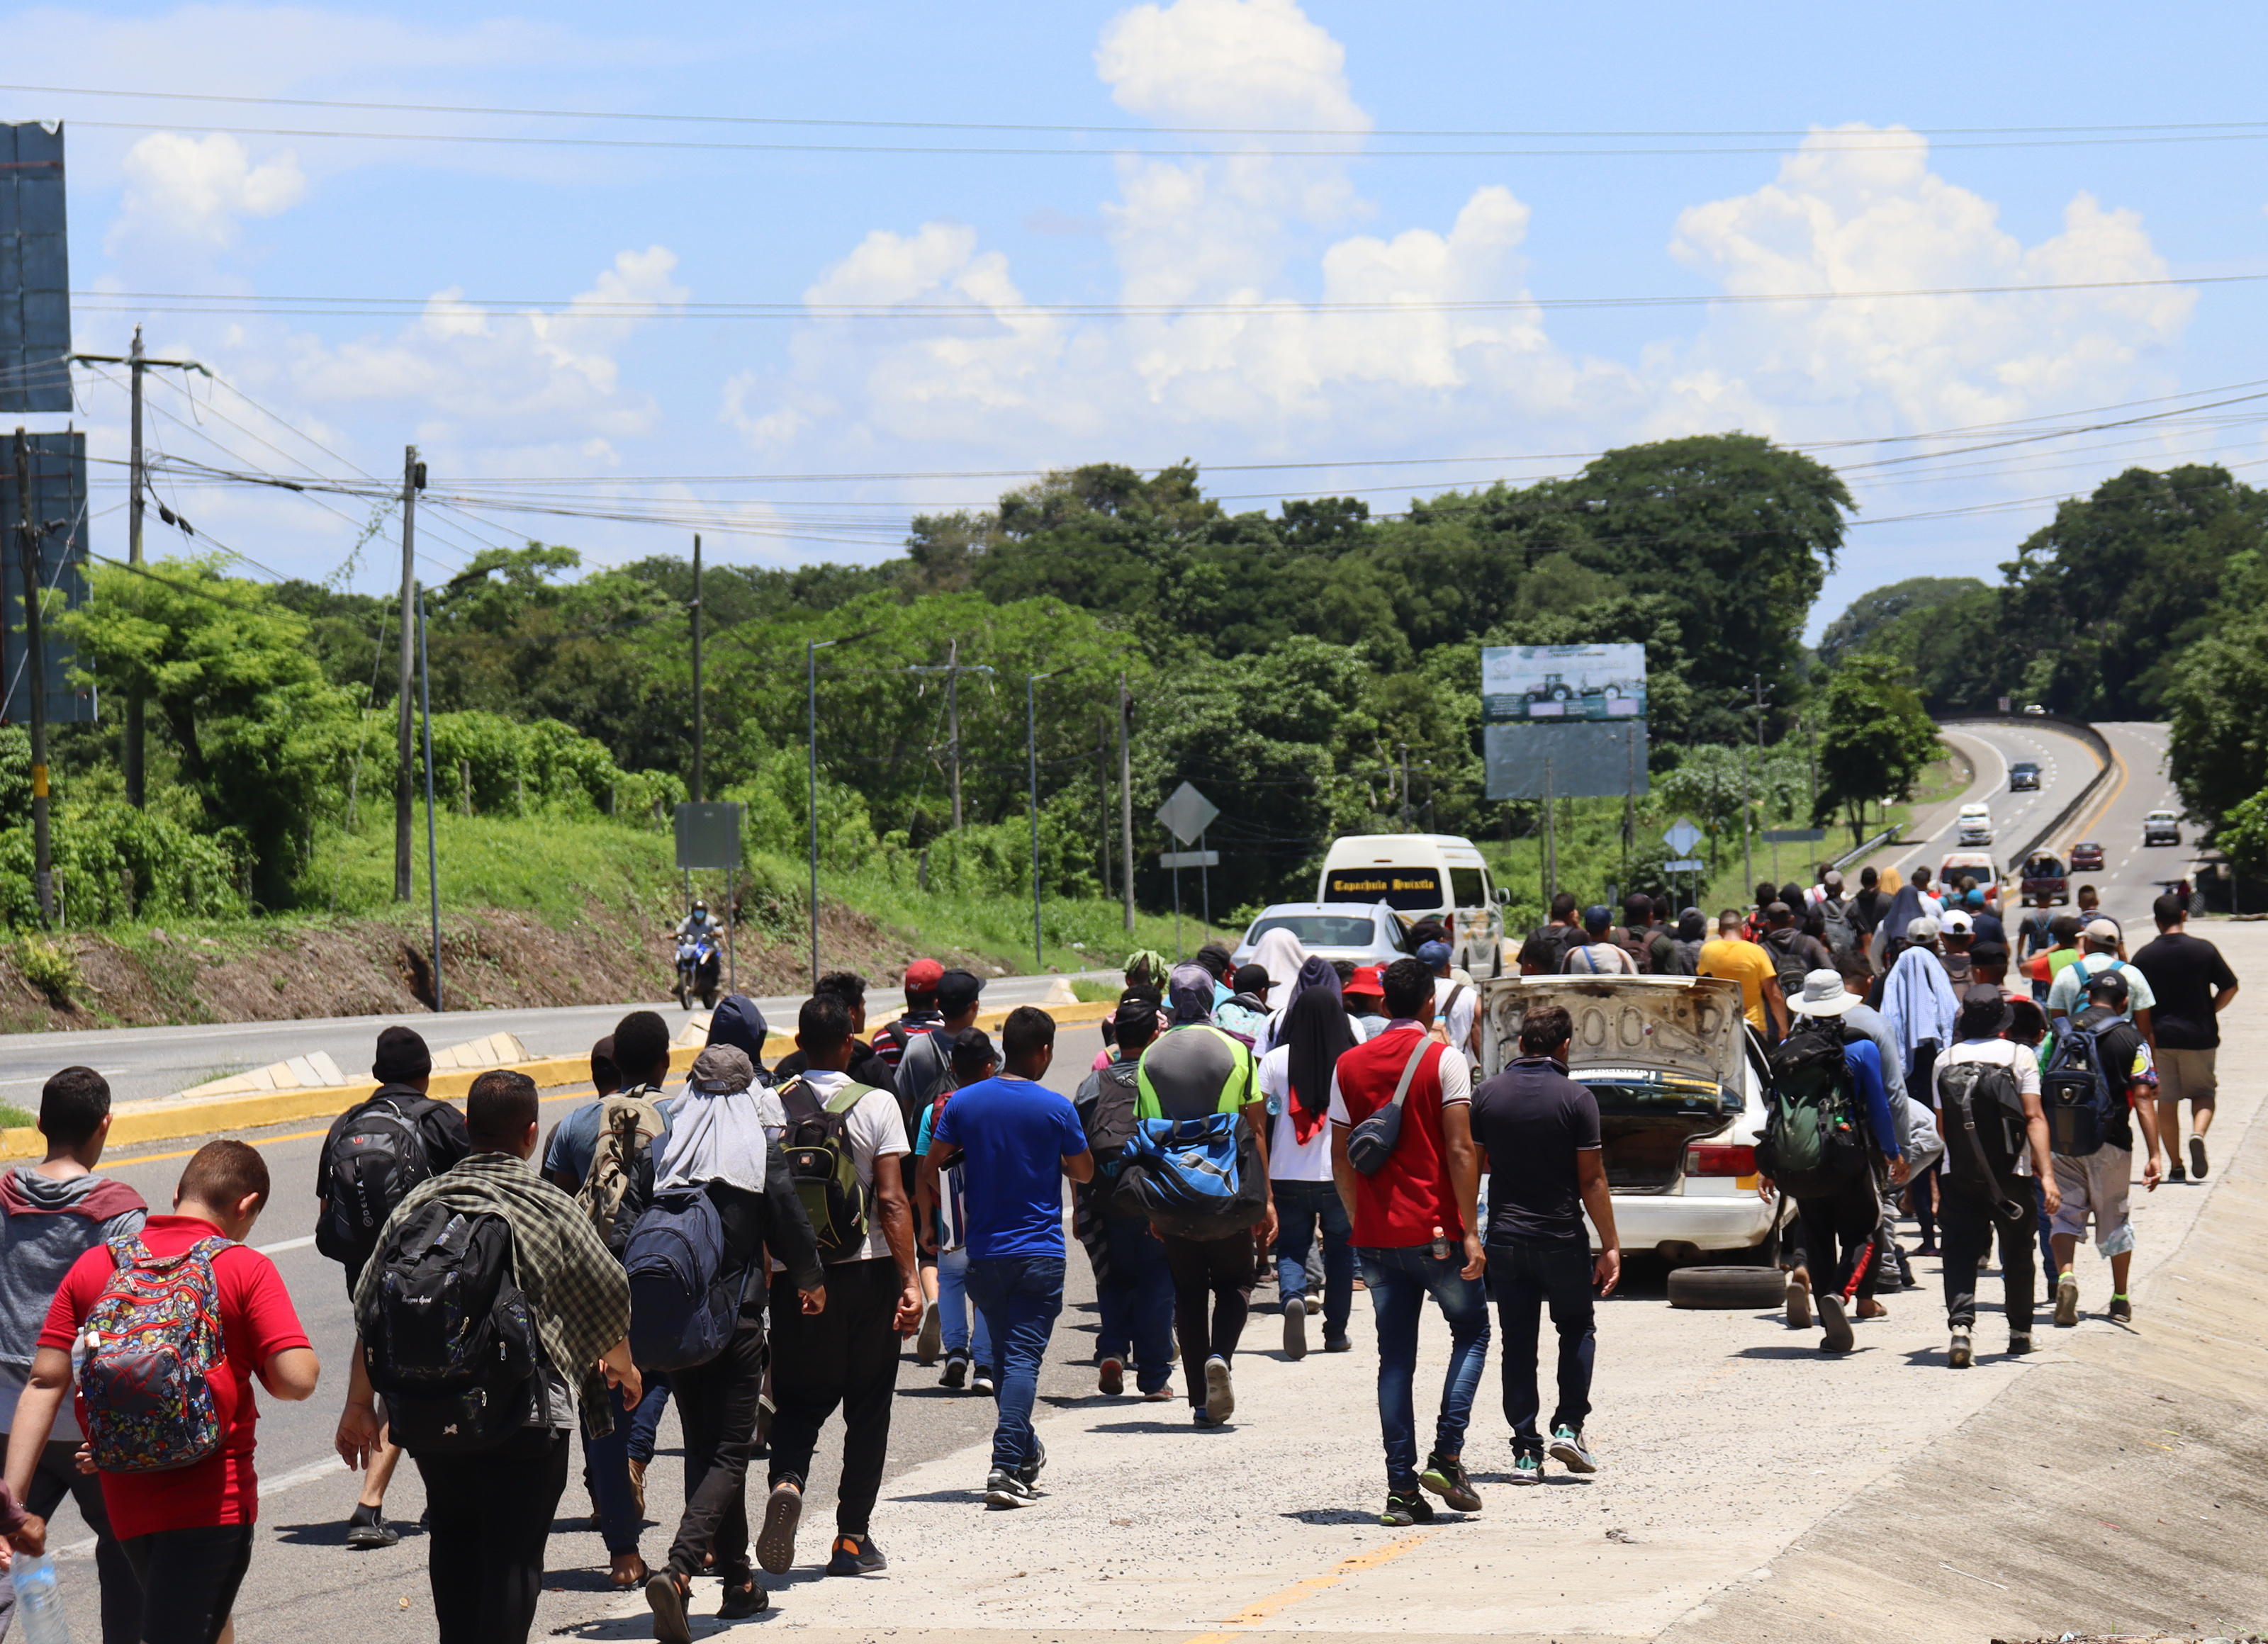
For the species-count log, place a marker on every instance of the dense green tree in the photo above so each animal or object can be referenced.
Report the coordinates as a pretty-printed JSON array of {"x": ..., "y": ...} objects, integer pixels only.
[
  {"x": 1864, "y": 617},
  {"x": 1876, "y": 738}
]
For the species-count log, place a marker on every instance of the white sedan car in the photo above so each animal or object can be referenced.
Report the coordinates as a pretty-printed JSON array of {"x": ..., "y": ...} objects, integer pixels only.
[
  {"x": 1679, "y": 1082},
  {"x": 1367, "y": 933}
]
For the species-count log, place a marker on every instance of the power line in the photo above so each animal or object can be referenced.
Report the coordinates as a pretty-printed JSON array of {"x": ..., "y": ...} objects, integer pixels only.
[{"x": 1285, "y": 308}]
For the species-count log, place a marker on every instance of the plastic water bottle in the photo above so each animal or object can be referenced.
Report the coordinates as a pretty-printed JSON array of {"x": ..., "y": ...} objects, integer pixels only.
[{"x": 39, "y": 1602}]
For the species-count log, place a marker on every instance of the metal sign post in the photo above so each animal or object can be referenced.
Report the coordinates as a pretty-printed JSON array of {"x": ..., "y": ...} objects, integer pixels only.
[{"x": 1186, "y": 814}]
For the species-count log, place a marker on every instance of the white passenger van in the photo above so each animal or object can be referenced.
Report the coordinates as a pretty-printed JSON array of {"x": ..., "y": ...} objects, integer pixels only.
[{"x": 1422, "y": 874}]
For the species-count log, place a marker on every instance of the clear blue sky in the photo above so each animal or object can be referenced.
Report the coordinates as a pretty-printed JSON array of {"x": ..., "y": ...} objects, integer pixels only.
[{"x": 543, "y": 334}]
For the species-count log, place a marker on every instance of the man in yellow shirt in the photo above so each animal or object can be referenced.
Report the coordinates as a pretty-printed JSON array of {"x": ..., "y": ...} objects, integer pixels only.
[{"x": 1749, "y": 965}]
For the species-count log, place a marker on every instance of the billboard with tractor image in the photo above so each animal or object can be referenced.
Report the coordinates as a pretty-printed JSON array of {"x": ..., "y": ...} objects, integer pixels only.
[{"x": 1557, "y": 684}]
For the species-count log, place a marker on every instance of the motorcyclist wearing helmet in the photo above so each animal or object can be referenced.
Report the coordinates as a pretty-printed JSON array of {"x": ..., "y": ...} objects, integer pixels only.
[{"x": 698, "y": 923}]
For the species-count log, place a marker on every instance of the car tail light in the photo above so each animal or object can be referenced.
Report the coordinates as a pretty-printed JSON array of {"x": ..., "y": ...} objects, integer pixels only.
[{"x": 1720, "y": 1161}]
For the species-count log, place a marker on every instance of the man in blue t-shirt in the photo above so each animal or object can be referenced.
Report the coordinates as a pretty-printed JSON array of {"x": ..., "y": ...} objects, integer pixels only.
[{"x": 1017, "y": 1140}]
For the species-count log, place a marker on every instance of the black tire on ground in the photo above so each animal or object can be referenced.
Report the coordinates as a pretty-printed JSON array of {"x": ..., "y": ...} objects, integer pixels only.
[{"x": 1727, "y": 1287}]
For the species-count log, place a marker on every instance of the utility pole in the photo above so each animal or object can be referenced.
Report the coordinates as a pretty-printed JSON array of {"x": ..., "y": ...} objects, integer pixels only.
[
  {"x": 413, "y": 480},
  {"x": 1551, "y": 838},
  {"x": 952, "y": 723},
  {"x": 698, "y": 741},
  {"x": 35, "y": 681},
  {"x": 433, "y": 853},
  {"x": 1126, "y": 797},
  {"x": 1102, "y": 794},
  {"x": 136, "y": 791}
]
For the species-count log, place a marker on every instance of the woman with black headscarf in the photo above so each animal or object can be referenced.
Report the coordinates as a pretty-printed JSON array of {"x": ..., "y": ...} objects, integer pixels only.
[{"x": 1295, "y": 1077}]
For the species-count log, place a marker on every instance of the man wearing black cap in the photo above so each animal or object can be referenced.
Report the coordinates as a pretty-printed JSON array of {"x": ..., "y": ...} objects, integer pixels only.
[{"x": 377, "y": 1151}]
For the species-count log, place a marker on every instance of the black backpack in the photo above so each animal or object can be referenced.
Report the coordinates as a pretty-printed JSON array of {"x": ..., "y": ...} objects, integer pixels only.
[
  {"x": 1985, "y": 1133},
  {"x": 1812, "y": 1143},
  {"x": 2082, "y": 1106},
  {"x": 447, "y": 1335},
  {"x": 1107, "y": 1116},
  {"x": 1554, "y": 941},
  {"x": 369, "y": 1169},
  {"x": 1789, "y": 962},
  {"x": 817, "y": 1147}
]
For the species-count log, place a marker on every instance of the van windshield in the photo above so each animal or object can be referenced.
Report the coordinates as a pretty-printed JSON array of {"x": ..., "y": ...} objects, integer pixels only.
[{"x": 1320, "y": 930}]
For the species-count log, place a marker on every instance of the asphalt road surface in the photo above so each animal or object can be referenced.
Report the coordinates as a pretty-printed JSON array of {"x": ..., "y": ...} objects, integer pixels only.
[
  {"x": 143, "y": 1063},
  {"x": 2132, "y": 875},
  {"x": 305, "y": 1584}
]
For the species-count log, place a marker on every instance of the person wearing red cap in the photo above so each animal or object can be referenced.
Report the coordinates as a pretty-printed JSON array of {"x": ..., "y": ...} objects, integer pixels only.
[
  {"x": 1365, "y": 993},
  {"x": 921, "y": 980}
]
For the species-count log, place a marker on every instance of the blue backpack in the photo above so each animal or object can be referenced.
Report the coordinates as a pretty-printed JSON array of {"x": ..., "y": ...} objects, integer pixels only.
[
  {"x": 682, "y": 1311},
  {"x": 1196, "y": 1178}
]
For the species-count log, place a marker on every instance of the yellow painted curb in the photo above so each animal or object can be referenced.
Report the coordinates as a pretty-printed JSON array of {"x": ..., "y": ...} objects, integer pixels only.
[{"x": 166, "y": 1121}]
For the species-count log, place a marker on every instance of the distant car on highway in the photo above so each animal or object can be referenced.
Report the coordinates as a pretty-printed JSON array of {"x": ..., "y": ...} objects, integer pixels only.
[
  {"x": 2023, "y": 774},
  {"x": 2034, "y": 708},
  {"x": 1975, "y": 826},
  {"x": 2087, "y": 857},
  {"x": 1977, "y": 865},
  {"x": 2043, "y": 874},
  {"x": 1335, "y": 930},
  {"x": 2161, "y": 827}
]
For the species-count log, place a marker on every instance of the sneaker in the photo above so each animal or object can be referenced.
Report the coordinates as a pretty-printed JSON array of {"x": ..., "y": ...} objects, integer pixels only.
[
  {"x": 1836, "y": 1321},
  {"x": 776, "y": 1542},
  {"x": 1112, "y": 1381},
  {"x": 1029, "y": 1473},
  {"x": 1527, "y": 1467},
  {"x": 1568, "y": 1449},
  {"x": 931, "y": 1342},
  {"x": 2066, "y": 1312},
  {"x": 856, "y": 1555},
  {"x": 2177, "y": 1174},
  {"x": 1338, "y": 1344},
  {"x": 1199, "y": 1416},
  {"x": 666, "y": 1599},
  {"x": 1295, "y": 1327},
  {"x": 367, "y": 1529},
  {"x": 1159, "y": 1395},
  {"x": 981, "y": 1382},
  {"x": 740, "y": 1603},
  {"x": 1003, "y": 1488},
  {"x": 1927, "y": 1247},
  {"x": 1448, "y": 1480},
  {"x": 956, "y": 1371},
  {"x": 1221, "y": 1392},
  {"x": 1799, "y": 1299},
  {"x": 1961, "y": 1353},
  {"x": 2019, "y": 1343},
  {"x": 2122, "y": 1310},
  {"x": 1401, "y": 1511},
  {"x": 2197, "y": 1158}
]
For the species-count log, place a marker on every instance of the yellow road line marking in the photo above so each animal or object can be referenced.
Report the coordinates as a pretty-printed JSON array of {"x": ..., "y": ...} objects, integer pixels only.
[
  {"x": 297, "y": 1135},
  {"x": 1264, "y": 1608}
]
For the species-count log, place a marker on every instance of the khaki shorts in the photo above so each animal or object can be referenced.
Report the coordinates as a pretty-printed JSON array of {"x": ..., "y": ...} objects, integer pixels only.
[
  {"x": 2100, "y": 1182},
  {"x": 2187, "y": 1075}
]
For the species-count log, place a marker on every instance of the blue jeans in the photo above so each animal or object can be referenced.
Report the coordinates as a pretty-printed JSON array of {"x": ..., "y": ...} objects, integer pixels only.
[
  {"x": 1399, "y": 1278},
  {"x": 1525, "y": 1275},
  {"x": 953, "y": 1310},
  {"x": 1137, "y": 1301},
  {"x": 1299, "y": 1208},
  {"x": 1019, "y": 1297},
  {"x": 607, "y": 1463}
]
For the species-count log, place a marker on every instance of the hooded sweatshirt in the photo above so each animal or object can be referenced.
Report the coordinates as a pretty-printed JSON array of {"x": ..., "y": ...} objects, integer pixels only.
[{"x": 45, "y": 1227}]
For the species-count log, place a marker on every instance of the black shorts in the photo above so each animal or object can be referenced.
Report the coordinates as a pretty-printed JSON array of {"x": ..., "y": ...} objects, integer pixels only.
[{"x": 190, "y": 1578}]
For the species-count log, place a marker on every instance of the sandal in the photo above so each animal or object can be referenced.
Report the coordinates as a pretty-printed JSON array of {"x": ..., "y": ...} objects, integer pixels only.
[{"x": 622, "y": 1582}]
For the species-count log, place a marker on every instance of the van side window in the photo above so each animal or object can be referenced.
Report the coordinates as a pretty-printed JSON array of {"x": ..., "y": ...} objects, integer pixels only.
[{"x": 1468, "y": 887}]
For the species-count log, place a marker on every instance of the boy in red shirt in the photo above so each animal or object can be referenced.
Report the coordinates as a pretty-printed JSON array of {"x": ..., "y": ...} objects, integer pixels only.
[
  {"x": 1415, "y": 1234},
  {"x": 188, "y": 1530}
]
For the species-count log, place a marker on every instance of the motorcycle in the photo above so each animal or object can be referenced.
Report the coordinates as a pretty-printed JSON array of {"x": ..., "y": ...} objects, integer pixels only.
[{"x": 700, "y": 962}]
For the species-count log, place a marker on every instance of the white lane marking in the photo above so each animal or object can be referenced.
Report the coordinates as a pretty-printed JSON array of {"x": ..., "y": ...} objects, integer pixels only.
[
  {"x": 290, "y": 1480},
  {"x": 289, "y": 1243}
]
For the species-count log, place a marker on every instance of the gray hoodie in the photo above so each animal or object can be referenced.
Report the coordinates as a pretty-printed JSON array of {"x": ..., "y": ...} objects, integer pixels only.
[{"x": 46, "y": 1226}]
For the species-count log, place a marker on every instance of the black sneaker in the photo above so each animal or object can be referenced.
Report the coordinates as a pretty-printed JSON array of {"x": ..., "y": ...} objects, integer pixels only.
[
  {"x": 956, "y": 1371},
  {"x": 1401, "y": 1511},
  {"x": 2122, "y": 1310},
  {"x": 1006, "y": 1489},
  {"x": 856, "y": 1555},
  {"x": 367, "y": 1529},
  {"x": 740, "y": 1603},
  {"x": 2177, "y": 1174},
  {"x": 1029, "y": 1473},
  {"x": 775, "y": 1541},
  {"x": 1295, "y": 1327},
  {"x": 2197, "y": 1158},
  {"x": 1448, "y": 1480},
  {"x": 666, "y": 1598}
]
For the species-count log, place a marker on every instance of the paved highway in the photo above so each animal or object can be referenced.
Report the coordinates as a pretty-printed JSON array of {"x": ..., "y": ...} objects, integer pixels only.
[
  {"x": 143, "y": 1063},
  {"x": 2133, "y": 874}
]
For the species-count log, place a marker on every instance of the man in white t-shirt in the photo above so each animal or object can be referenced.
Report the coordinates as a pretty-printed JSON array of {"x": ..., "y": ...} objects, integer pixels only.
[
  {"x": 1968, "y": 1224},
  {"x": 1598, "y": 954},
  {"x": 1453, "y": 999},
  {"x": 847, "y": 1354}
]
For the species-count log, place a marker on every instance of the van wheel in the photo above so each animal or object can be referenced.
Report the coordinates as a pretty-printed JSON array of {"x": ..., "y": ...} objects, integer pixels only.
[{"x": 1727, "y": 1289}]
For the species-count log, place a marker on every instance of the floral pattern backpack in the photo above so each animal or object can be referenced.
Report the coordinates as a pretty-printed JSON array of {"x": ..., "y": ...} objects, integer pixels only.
[{"x": 152, "y": 1341}]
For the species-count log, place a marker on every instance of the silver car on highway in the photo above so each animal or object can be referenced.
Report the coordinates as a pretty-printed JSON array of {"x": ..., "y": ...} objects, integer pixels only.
[{"x": 1371, "y": 935}]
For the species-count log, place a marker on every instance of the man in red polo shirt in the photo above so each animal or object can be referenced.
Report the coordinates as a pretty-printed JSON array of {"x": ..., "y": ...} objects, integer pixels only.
[
  {"x": 1416, "y": 1233},
  {"x": 187, "y": 1531}
]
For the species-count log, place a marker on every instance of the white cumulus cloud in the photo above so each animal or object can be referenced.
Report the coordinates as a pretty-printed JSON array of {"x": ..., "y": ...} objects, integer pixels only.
[{"x": 196, "y": 190}]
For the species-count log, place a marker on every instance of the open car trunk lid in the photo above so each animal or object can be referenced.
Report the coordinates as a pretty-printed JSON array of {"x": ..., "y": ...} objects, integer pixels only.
[{"x": 1665, "y": 1057}]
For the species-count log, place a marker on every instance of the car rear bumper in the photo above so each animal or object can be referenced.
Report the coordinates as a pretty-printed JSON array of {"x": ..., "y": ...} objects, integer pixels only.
[{"x": 1708, "y": 1221}]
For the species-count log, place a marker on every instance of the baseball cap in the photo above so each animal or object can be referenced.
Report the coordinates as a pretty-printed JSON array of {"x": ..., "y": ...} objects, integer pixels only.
[
  {"x": 1597, "y": 917},
  {"x": 1983, "y": 1011},
  {"x": 1922, "y": 929},
  {"x": 2102, "y": 930},
  {"x": 921, "y": 976},
  {"x": 722, "y": 1069},
  {"x": 2110, "y": 984},
  {"x": 1430, "y": 954},
  {"x": 957, "y": 990},
  {"x": 1254, "y": 979},
  {"x": 1957, "y": 923},
  {"x": 1367, "y": 978}
]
